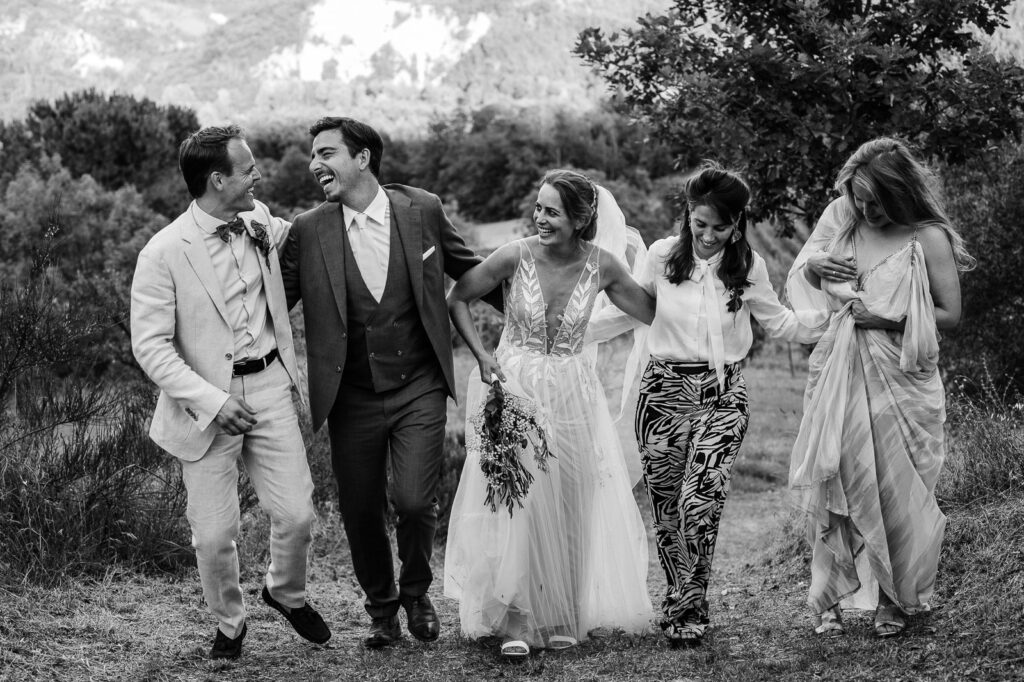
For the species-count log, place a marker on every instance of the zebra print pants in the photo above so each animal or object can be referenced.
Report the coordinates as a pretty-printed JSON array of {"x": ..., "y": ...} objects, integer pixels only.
[{"x": 689, "y": 432}]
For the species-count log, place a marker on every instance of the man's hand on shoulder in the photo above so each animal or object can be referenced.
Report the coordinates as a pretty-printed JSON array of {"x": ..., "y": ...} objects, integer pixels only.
[{"x": 236, "y": 416}]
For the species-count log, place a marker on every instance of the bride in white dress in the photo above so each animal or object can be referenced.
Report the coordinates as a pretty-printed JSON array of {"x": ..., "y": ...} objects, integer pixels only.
[{"x": 574, "y": 557}]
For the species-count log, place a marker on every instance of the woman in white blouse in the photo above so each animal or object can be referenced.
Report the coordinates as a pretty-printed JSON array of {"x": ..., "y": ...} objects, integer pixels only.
[{"x": 692, "y": 412}]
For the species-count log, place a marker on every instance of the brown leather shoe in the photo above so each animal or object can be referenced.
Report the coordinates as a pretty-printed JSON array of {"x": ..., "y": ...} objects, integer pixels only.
[
  {"x": 384, "y": 631},
  {"x": 422, "y": 618}
]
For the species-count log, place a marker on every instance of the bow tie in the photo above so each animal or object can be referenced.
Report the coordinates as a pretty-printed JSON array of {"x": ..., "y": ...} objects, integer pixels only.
[{"x": 237, "y": 226}]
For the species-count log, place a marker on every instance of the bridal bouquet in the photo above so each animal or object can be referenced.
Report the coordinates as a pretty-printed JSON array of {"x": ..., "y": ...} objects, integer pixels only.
[{"x": 506, "y": 425}]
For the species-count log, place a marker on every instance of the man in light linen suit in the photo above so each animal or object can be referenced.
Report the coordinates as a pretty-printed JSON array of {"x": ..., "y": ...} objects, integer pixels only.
[
  {"x": 369, "y": 265},
  {"x": 210, "y": 328}
]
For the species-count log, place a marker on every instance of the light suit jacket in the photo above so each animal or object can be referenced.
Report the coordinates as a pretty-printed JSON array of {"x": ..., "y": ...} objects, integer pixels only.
[
  {"x": 180, "y": 331},
  {"x": 314, "y": 272}
]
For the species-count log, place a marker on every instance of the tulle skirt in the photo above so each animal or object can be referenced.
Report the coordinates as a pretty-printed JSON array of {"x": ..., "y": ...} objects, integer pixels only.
[{"x": 574, "y": 557}]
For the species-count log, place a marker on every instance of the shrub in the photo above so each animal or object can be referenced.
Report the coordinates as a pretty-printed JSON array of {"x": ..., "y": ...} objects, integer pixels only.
[
  {"x": 451, "y": 472},
  {"x": 985, "y": 461},
  {"x": 489, "y": 325},
  {"x": 81, "y": 484},
  {"x": 985, "y": 204}
]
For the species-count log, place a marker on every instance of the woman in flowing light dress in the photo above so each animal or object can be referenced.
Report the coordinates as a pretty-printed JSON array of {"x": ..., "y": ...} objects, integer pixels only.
[
  {"x": 881, "y": 269},
  {"x": 573, "y": 557}
]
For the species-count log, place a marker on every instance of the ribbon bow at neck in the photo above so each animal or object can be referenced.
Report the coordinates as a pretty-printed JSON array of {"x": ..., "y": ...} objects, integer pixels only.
[
  {"x": 236, "y": 226},
  {"x": 709, "y": 299}
]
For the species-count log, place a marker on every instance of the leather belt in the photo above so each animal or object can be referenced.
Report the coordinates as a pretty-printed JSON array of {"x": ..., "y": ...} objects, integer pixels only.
[
  {"x": 253, "y": 366},
  {"x": 687, "y": 368}
]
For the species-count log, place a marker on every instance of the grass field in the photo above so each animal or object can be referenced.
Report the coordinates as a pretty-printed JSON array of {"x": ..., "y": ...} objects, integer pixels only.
[{"x": 129, "y": 626}]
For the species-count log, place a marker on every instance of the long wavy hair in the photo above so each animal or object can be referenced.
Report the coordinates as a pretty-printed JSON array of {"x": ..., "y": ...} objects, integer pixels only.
[
  {"x": 727, "y": 193},
  {"x": 905, "y": 188}
]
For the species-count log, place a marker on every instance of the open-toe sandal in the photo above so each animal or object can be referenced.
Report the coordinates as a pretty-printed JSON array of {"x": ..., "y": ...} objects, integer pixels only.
[
  {"x": 889, "y": 622},
  {"x": 830, "y": 622},
  {"x": 684, "y": 635},
  {"x": 515, "y": 648},
  {"x": 559, "y": 642}
]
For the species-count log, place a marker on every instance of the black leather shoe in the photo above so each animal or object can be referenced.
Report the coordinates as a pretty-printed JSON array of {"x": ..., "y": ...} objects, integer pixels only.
[
  {"x": 384, "y": 631},
  {"x": 225, "y": 647},
  {"x": 306, "y": 621},
  {"x": 423, "y": 622}
]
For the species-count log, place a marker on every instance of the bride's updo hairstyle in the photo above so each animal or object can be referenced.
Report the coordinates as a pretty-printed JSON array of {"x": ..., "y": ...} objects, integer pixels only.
[
  {"x": 579, "y": 199},
  {"x": 727, "y": 193}
]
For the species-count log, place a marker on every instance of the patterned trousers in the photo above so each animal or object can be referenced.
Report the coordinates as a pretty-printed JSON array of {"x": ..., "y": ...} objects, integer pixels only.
[{"x": 689, "y": 432}]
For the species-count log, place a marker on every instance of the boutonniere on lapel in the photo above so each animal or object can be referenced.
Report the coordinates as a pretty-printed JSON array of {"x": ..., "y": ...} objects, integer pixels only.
[
  {"x": 735, "y": 299},
  {"x": 262, "y": 239}
]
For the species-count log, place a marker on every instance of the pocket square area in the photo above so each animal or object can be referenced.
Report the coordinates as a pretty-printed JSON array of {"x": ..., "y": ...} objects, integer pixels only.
[{"x": 426, "y": 254}]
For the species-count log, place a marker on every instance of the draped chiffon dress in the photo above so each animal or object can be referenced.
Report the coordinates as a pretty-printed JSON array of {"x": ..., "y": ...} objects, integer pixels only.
[{"x": 871, "y": 442}]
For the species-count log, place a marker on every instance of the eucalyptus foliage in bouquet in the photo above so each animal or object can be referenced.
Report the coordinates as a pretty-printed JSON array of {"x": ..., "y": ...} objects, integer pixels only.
[{"x": 506, "y": 425}]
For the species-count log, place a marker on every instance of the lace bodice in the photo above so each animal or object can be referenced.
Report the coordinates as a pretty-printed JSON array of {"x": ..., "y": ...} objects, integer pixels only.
[{"x": 525, "y": 319}]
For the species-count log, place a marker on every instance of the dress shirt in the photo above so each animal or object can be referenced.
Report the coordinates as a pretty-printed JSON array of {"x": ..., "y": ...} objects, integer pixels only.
[
  {"x": 369, "y": 235},
  {"x": 689, "y": 328},
  {"x": 237, "y": 265}
]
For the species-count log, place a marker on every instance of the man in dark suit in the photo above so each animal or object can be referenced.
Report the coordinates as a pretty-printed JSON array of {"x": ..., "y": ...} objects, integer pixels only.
[{"x": 369, "y": 265}]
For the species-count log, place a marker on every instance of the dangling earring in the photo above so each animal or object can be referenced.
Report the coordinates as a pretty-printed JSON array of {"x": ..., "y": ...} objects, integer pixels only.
[{"x": 735, "y": 236}]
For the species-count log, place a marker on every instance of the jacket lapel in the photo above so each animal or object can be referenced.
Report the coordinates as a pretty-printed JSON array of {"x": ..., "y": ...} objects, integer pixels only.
[
  {"x": 408, "y": 222},
  {"x": 274, "y": 289},
  {"x": 329, "y": 230},
  {"x": 199, "y": 258}
]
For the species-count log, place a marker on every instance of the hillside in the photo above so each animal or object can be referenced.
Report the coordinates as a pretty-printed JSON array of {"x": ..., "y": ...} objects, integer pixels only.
[{"x": 270, "y": 60}]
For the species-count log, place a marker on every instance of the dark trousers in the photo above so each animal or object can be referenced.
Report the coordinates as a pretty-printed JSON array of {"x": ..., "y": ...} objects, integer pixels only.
[{"x": 365, "y": 427}]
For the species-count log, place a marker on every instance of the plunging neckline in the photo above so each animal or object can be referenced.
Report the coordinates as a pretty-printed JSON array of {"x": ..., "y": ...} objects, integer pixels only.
[
  {"x": 549, "y": 339},
  {"x": 862, "y": 278}
]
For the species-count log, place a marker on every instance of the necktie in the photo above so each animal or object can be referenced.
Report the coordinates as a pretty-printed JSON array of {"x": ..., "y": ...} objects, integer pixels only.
[
  {"x": 236, "y": 226},
  {"x": 372, "y": 267},
  {"x": 709, "y": 299}
]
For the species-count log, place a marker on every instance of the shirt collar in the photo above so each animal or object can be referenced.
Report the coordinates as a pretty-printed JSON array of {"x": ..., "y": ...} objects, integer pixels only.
[
  {"x": 206, "y": 222},
  {"x": 700, "y": 263},
  {"x": 377, "y": 210}
]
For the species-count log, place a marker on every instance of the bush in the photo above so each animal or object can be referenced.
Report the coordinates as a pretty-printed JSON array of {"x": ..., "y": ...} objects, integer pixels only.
[
  {"x": 985, "y": 460},
  {"x": 99, "y": 234},
  {"x": 81, "y": 484},
  {"x": 489, "y": 325},
  {"x": 985, "y": 204},
  {"x": 451, "y": 472}
]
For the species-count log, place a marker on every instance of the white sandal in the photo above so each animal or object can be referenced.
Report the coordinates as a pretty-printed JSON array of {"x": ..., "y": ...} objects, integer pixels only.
[
  {"x": 515, "y": 648},
  {"x": 559, "y": 642},
  {"x": 829, "y": 622}
]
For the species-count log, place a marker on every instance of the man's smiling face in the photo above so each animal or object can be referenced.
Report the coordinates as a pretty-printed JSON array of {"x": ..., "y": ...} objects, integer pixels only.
[{"x": 334, "y": 167}]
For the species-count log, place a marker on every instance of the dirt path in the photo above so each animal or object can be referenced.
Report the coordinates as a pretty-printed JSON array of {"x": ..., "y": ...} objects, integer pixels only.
[{"x": 747, "y": 523}]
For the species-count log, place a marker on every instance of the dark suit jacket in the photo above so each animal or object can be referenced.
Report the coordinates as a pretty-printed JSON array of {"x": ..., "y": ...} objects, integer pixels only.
[{"x": 313, "y": 270}]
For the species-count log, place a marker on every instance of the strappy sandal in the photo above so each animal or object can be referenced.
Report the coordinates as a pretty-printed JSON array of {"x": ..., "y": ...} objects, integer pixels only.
[
  {"x": 888, "y": 616},
  {"x": 515, "y": 649},
  {"x": 684, "y": 635},
  {"x": 560, "y": 642},
  {"x": 830, "y": 622}
]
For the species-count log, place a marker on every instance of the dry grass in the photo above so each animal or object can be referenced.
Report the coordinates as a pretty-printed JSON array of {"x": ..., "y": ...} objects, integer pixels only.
[{"x": 129, "y": 626}]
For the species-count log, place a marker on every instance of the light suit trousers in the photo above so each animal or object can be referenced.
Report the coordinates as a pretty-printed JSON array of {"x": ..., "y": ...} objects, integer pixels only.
[{"x": 275, "y": 459}]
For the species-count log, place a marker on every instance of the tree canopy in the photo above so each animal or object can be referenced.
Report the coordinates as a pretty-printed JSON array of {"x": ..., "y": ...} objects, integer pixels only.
[
  {"x": 115, "y": 138},
  {"x": 786, "y": 90}
]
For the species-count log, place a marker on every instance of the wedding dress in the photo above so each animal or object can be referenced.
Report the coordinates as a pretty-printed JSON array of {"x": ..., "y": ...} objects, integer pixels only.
[{"x": 574, "y": 557}]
